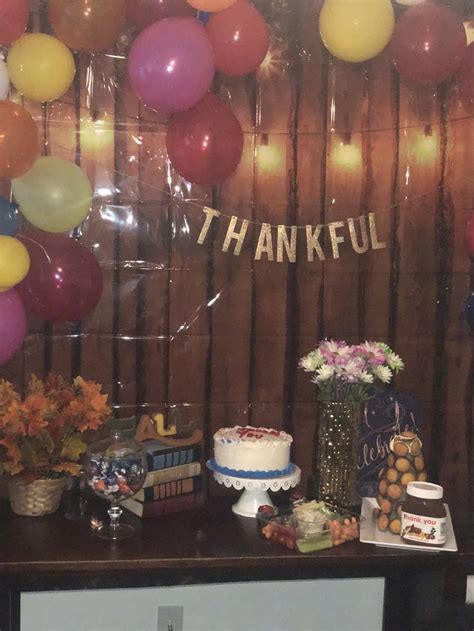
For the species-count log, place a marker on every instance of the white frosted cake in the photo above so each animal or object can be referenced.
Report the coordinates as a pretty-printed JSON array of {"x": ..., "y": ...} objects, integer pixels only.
[{"x": 252, "y": 449}]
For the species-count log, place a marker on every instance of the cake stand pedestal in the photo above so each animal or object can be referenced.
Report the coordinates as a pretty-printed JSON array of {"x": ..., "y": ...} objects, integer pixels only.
[{"x": 255, "y": 490}]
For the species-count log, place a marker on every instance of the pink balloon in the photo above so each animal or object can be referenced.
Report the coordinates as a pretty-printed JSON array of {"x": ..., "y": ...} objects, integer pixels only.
[
  {"x": 12, "y": 324},
  {"x": 171, "y": 64}
]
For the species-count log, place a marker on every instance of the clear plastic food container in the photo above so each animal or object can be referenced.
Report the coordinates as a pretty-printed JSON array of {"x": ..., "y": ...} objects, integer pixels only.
[{"x": 310, "y": 526}]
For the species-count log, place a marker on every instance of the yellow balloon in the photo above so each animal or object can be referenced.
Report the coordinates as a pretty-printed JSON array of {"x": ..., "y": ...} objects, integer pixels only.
[
  {"x": 40, "y": 67},
  {"x": 14, "y": 262},
  {"x": 212, "y": 6},
  {"x": 55, "y": 195},
  {"x": 356, "y": 30}
]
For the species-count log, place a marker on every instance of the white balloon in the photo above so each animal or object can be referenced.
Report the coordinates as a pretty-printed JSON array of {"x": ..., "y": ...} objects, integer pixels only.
[{"x": 4, "y": 81}]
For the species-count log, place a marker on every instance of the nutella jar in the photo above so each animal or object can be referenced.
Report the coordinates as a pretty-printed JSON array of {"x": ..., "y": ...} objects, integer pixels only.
[{"x": 424, "y": 515}]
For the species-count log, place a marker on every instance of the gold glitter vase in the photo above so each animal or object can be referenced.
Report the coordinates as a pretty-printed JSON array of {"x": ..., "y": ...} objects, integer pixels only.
[{"x": 335, "y": 467}]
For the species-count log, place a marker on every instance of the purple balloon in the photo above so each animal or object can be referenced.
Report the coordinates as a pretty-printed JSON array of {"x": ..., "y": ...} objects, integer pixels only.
[
  {"x": 171, "y": 64},
  {"x": 12, "y": 324}
]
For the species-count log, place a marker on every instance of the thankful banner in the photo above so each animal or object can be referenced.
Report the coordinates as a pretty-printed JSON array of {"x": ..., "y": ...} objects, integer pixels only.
[{"x": 279, "y": 243}]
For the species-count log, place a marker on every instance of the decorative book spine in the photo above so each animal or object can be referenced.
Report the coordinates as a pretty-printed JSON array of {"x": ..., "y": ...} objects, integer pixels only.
[
  {"x": 162, "y": 459},
  {"x": 172, "y": 473},
  {"x": 187, "y": 502},
  {"x": 169, "y": 489}
]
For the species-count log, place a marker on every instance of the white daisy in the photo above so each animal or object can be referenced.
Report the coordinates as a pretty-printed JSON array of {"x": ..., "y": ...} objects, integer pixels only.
[
  {"x": 395, "y": 362},
  {"x": 383, "y": 373},
  {"x": 324, "y": 373},
  {"x": 366, "y": 377},
  {"x": 312, "y": 361}
]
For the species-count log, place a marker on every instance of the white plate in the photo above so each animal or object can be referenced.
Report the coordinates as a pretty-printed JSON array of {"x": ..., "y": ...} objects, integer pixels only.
[{"x": 369, "y": 533}]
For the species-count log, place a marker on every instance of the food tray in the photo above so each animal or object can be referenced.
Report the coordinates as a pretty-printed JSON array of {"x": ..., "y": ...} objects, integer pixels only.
[
  {"x": 308, "y": 531},
  {"x": 371, "y": 534}
]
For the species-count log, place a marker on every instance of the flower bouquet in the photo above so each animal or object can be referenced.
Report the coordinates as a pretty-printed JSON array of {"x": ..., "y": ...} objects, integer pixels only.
[
  {"x": 348, "y": 373},
  {"x": 346, "y": 376},
  {"x": 42, "y": 437}
]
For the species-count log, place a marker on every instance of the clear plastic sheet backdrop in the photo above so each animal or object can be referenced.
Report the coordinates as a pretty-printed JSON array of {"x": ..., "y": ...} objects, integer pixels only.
[{"x": 186, "y": 326}]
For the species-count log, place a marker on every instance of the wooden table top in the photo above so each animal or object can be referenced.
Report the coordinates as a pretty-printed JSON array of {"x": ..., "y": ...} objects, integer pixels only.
[{"x": 211, "y": 539}]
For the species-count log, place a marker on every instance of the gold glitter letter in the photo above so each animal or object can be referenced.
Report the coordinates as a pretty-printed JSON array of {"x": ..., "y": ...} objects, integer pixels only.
[
  {"x": 335, "y": 240},
  {"x": 210, "y": 214},
  {"x": 376, "y": 245},
  {"x": 265, "y": 243},
  {"x": 360, "y": 249},
  {"x": 238, "y": 236},
  {"x": 282, "y": 242},
  {"x": 312, "y": 243}
]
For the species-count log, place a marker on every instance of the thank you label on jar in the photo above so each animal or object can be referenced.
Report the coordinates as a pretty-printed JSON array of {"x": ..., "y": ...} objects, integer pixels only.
[{"x": 427, "y": 530}]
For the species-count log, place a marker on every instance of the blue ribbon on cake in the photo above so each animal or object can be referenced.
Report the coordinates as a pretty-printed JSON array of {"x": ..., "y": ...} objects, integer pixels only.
[{"x": 255, "y": 475}]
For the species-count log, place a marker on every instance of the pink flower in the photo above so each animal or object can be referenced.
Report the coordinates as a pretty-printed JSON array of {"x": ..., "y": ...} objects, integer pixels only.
[
  {"x": 373, "y": 353},
  {"x": 335, "y": 352}
]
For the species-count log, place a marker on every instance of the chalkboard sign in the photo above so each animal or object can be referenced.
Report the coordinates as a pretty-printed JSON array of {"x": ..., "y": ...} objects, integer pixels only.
[{"x": 383, "y": 417}]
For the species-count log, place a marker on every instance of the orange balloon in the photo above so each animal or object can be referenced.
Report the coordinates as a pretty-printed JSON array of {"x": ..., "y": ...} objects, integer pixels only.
[
  {"x": 211, "y": 6},
  {"x": 19, "y": 140},
  {"x": 87, "y": 25}
]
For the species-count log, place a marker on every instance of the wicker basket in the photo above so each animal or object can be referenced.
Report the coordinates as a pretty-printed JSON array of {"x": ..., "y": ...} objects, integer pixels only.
[{"x": 37, "y": 498}]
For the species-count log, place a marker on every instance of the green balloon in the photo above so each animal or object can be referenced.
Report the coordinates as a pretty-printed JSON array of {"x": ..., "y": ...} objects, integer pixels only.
[{"x": 55, "y": 195}]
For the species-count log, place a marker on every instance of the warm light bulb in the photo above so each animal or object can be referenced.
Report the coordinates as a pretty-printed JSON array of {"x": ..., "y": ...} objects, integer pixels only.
[
  {"x": 274, "y": 61},
  {"x": 347, "y": 155},
  {"x": 96, "y": 134},
  {"x": 426, "y": 146},
  {"x": 469, "y": 28},
  {"x": 269, "y": 156}
]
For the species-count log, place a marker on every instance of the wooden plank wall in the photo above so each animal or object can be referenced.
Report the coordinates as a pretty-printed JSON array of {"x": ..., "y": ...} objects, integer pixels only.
[{"x": 218, "y": 337}]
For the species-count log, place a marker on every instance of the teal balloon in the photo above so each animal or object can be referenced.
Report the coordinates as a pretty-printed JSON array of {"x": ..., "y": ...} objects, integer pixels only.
[
  {"x": 470, "y": 311},
  {"x": 9, "y": 218}
]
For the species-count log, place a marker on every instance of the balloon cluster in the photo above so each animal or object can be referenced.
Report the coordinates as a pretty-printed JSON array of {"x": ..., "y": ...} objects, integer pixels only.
[
  {"x": 171, "y": 67},
  {"x": 427, "y": 43},
  {"x": 51, "y": 274}
]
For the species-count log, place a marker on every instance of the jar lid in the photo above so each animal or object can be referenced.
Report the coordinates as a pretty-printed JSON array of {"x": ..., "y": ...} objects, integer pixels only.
[
  {"x": 425, "y": 490},
  {"x": 115, "y": 447}
]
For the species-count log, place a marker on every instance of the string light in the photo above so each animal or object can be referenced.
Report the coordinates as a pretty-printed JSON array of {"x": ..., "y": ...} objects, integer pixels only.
[
  {"x": 347, "y": 155},
  {"x": 268, "y": 156},
  {"x": 426, "y": 147},
  {"x": 469, "y": 28},
  {"x": 274, "y": 61},
  {"x": 97, "y": 134}
]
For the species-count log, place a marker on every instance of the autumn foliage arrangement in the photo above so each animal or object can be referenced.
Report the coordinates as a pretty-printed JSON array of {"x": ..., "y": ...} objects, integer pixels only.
[{"x": 42, "y": 434}]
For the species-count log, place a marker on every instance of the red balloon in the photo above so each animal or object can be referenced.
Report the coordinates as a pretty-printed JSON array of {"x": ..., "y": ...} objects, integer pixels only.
[
  {"x": 240, "y": 38},
  {"x": 469, "y": 234},
  {"x": 13, "y": 19},
  {"x": 465, "y": 76},
  {"x": 428, "y": 43},
  {"x": 205, "y": 143},
  {"x": 142, "y": 13},
  {"x": 64, "y": 283}
]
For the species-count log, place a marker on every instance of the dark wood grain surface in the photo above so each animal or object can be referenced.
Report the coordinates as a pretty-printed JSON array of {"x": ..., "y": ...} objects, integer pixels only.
[{"x": 213, "y": 540}]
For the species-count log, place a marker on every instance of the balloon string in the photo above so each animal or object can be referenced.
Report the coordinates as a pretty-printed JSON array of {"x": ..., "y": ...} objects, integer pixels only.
[{"x": 45, "y": 252}]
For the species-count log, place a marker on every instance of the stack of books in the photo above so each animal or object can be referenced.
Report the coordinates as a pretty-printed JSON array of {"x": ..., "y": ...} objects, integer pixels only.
[{"x": 174, "y": 482}]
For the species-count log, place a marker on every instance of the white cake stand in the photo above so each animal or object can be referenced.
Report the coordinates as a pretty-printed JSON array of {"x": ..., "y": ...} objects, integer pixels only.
[{"x": 255, "y": 490}]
